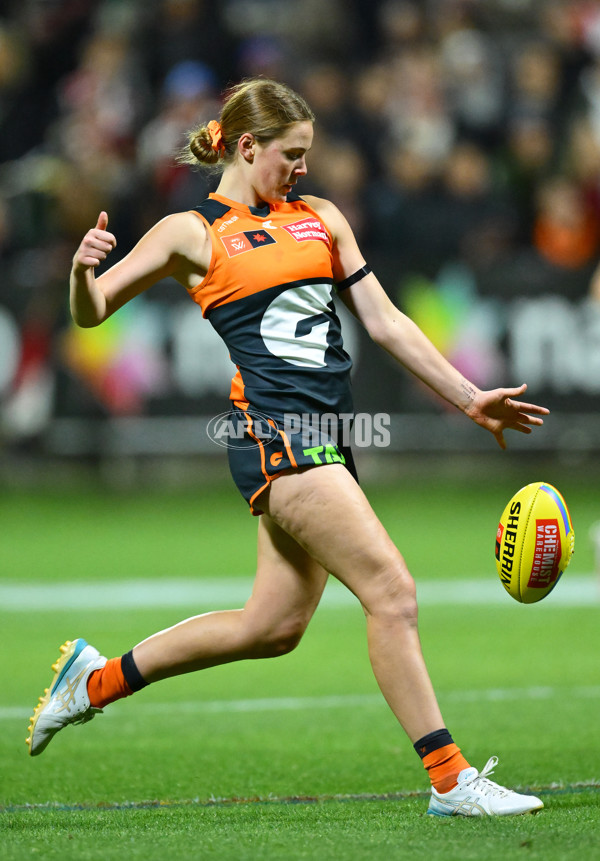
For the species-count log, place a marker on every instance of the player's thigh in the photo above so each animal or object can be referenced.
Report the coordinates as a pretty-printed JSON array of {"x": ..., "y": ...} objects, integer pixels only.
[
  {"x": 327, "y": 513},
  {"x": 288, "y": 584}
]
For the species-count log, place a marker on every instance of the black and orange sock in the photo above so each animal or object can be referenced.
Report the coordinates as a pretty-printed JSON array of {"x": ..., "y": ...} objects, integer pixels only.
[
  {"x": 442, "y": 759},
  {"x": 118, "y": 678}
]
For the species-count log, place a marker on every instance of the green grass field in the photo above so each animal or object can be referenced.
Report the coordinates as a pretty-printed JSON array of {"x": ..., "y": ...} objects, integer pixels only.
[{"x": 297, "y": 757}]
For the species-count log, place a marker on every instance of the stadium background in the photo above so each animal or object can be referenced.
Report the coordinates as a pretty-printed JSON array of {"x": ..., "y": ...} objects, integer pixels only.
[{"x": 461, "y": 138}]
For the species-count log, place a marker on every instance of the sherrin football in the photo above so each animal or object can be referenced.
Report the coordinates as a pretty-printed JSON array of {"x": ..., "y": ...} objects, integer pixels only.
[{"x": 534, "y": 542}]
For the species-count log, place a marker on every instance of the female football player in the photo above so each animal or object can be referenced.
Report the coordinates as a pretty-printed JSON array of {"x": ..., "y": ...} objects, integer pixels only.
[{"x": 263, "y": 264}]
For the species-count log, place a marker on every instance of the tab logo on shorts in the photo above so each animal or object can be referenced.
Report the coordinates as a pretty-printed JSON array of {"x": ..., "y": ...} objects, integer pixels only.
[
  {"x": 246, "y": 241},
  {"x": 308, "y": 228}
]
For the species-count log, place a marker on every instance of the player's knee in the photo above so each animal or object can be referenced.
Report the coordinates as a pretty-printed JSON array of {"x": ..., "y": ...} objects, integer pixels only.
[
  {"x": 283, "y": 639},
  {"x": 282, "y": 642},
  {"x": 392, "y": 595},
  {"x": 278, "y": 639}
]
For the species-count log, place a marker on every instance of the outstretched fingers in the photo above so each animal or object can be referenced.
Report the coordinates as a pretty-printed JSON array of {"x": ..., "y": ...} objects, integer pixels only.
[
  {"x": 528, "y": 412},
  {"x": 522, "y": 417},
  {"x": 500, "y": 410}
]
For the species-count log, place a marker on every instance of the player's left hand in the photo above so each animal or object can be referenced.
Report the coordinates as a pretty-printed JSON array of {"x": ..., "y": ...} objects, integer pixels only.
[{"x": 497, "y": 411}]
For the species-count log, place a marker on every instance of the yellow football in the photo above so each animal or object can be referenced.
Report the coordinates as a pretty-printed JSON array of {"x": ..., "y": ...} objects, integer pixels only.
[{"x": 534, "y": 542}]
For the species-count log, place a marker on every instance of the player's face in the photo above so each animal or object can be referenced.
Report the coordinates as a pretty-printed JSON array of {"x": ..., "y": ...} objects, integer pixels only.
[{"x": 279, "y": 164}]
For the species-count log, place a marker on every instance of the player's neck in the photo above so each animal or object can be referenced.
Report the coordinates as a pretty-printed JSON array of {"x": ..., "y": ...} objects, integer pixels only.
[{"x": 234, "y": 186}]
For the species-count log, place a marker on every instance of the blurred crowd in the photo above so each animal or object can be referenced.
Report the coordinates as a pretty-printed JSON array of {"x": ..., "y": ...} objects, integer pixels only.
[{"x": 447, "y": 130}]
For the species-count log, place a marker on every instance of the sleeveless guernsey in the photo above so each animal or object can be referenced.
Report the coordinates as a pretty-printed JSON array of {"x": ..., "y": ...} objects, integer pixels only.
[{"x": 268, "y": 293}]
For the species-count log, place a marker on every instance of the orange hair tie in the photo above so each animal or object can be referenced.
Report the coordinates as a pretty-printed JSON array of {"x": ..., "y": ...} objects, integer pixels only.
[{"x": 216, "y": 136}]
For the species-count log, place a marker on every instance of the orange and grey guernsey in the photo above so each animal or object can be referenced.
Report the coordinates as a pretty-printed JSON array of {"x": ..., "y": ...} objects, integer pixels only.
[{"x": 269, "y": 293}]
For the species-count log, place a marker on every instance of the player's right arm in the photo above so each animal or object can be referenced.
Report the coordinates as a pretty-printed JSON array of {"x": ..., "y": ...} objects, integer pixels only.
[{"x": 178, "y": 246}]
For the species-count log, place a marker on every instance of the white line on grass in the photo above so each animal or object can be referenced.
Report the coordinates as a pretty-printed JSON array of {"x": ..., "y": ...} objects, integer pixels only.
[
  {"x": 553, "y": 789},
  {"x": 226, "y": 592},
  {"x": 333, "y": 702}
]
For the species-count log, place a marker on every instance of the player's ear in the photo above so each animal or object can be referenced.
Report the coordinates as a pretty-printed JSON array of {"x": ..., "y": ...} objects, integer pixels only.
[{"x": 247, "y": 146}]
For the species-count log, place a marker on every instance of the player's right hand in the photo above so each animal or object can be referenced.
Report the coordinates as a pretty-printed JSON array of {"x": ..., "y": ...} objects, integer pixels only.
[{"x": 96, "y": 245}]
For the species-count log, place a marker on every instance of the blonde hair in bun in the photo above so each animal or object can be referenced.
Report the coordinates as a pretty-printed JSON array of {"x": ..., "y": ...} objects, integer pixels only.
[{"x": 258, "y": 106}]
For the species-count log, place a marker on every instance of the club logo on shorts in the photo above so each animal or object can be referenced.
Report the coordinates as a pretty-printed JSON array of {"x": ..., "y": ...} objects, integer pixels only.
[{"x": 248, "y": 240}]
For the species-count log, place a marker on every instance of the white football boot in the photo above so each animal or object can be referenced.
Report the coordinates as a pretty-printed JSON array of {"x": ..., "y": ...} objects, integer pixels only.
[
  {"x": 66, "y": 700},
  {"x": 475, "y": 795}
]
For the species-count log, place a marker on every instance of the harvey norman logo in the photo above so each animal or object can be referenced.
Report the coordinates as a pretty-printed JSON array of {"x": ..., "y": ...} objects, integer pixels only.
[{"x": 308, "y": 228}]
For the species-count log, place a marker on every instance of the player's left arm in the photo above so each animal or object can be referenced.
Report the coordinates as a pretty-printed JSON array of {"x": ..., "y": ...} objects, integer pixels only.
[{"x": 496, "y": 410}]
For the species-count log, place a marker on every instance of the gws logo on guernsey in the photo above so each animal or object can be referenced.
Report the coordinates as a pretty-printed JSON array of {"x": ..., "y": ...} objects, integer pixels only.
[
  {"x": 247, "y": 429},
  {"x": 307, "y": 229},
  {"x": 246, "y": 241}
]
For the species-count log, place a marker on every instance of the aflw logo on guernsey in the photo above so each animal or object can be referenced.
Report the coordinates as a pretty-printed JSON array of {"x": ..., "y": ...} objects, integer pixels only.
[
  {"x": 308, "y": 228},
  {"x": 246, "y": 241}
]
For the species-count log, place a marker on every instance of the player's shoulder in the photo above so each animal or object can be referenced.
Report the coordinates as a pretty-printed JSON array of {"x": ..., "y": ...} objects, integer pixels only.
[
  {"x": 212, "y": 210},
  {"x": 183, "y": 234},
  {"x": 186, "y": 221},
  {"x": 320, "y": 204},
  {"x": 181, "y": 227},
  {"x": 329, "y": 212}
]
